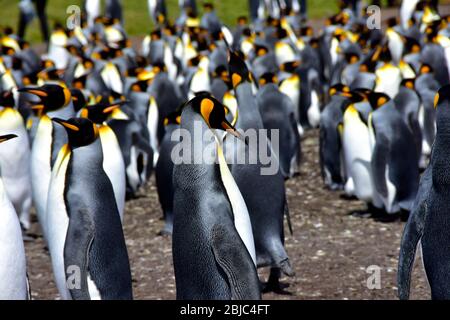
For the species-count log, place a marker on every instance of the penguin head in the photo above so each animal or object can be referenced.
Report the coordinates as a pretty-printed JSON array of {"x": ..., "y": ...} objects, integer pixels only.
[
  {"x": 290, "y": 67},
  {"x": 412, "y": 46},
  {"x": 52, "y": 97},
  {"x": 442, "y": 104},
  {"x": 222, "y": 73},
  {"x": 213, "y": 112},
  {"x": 78, "y": 98},
  {"x": 7, "y": 99},
  {"x": 351, "y": 57},
  {"x": 340, "y": 89},
  {"x": 378, "y": 99},
  {"x": 103, "y": 110},
  {"x": 173, "y": 118},
  {"x": 80, "y": 131},
  {"x": 266, "y": 78},
  {"x": 238, "y": 70},
  {"x": 408, "y": 83},
  {"x": 7, "y": 137},
  {"x": 425, "y": 69}
]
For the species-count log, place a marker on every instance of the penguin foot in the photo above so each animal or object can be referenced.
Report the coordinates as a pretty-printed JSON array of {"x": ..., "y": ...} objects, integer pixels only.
[
  {"x": 363, "y": 214},
  {"x": 345, "y": 196},
  {"x": 274, "y": 285},
  {"x": 386, "y": 217},
  {"x": 165, "y": 233},
  {"x": 285, "y": 267},
  {"x": 278, "y": 288}
]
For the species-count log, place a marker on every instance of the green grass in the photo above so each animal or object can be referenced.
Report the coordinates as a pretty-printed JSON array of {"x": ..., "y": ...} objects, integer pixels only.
[{"x": 137, "y": 21}]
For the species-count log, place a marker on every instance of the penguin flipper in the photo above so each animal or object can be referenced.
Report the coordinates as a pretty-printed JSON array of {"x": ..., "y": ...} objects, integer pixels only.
[
  {"x": 412, "y": 234},
  {"x": 80, "y": 235},
  {"x": 379, "y": 162},
  {"x": 236, "y": 263}
]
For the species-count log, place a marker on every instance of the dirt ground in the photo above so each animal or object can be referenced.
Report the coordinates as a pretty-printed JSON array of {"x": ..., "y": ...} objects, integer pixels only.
[{"x": 329, "y": 250}]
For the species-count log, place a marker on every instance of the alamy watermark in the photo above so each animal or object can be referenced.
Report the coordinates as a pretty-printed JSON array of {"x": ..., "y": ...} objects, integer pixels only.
[{"x": 251, "y": 147}]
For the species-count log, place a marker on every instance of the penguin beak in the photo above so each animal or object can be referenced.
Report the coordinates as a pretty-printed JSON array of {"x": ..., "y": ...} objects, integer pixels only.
[
  {"x": 230, "y": 129},
  {"x": 7, "y": 137},
  {"x": 65, "y": 124},
  {"x": 35, "y": 91}
]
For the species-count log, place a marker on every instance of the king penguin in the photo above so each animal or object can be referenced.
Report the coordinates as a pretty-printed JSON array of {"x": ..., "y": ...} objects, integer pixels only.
[
  {"x": 85, "y": 229},
  {"x": 277, "y": 112},
  {"x": 395, "y": 160},
  {"x": 261, "y": 185},
  {"x": 113, "y": 162},
  {"x": 55, "y": 100},
  {"x": 213, "y": 249},
  {"x": 429, "y": 219},
  {"x": 330, "y": 142},
  {"x": 14, "y": 283}
]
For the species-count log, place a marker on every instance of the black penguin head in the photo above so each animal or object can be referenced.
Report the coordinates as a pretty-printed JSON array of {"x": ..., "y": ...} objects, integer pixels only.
[
  {"x": 351, "y": 57},
  {"x": 52, "y": 97},
  {"x": 340, "y": 89},
  {"x": 412, "y": 45},
  {"x": 7, "y": 137},
  {"x": 103, "y": 110},
  {"x": 78, "y": 98},
  {"x": 408, "y": 83},
  {"x": 266, "y": 78},
  {"x": 7, "y": 99},
  {"x": 80, "y": 131},
  {"x": 290, "y": 67},
  {"x": 213, "y": 112},
  {"x": 173, "y": 118},
  {"x": 378, "y": 99},
  {"x": 425, "y": 69},
  {"x": 238, "y": 70}
]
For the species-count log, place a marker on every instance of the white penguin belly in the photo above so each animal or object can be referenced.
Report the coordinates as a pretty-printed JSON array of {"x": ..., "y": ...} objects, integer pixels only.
[
  {"x": 314, "y": 110},
  {"x": 358, "y": 154},
  {"x": 388, "y": 81},
  {"x": 15, "y": 163},
  {"x": 200, "y": 82},
  {"x": 152, "y": 125},
  {"x": 111, "y": 77},
  {"x": 241, "y": 216},
  {"x": 40, "y": 169},
  {"x": 94, "y": 293},
  {"x": 13, "y": 279},
  {"x": 114, "y": 166},
  {"x": 132, "y": 170},
  {"x": 291, "y": 88},
  {"x": 58, "y": 220}
]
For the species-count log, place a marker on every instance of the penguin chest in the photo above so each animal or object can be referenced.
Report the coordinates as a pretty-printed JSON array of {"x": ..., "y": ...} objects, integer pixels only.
[
  {"x": 388, "y": 80},
  {"x": 114, "y": 165},
  {"x": 200, "y": 82},
  {"x": 291, "y": 88},
  {"x": 314, "y": 110},
  {"x": 13, "y": 282},
  {"x": 152, "y": 125},
  {"x": 358, "y": 155},
  {"x": 58, "y": 219},
  {"x": 40, "y": 167},
  {"x": 111, "y": 77},
  {"x": 241, "y": 216},
  {"x": 15, "y": 156}
]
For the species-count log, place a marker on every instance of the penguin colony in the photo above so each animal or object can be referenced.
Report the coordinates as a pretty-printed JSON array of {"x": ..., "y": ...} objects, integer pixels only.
[{"x": 84, "y": 126}]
